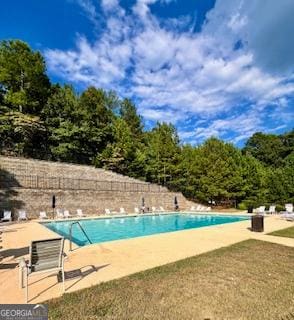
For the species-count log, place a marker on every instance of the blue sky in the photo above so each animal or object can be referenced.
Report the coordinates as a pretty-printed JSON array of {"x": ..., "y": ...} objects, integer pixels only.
[{"x": 222, "y": 68}]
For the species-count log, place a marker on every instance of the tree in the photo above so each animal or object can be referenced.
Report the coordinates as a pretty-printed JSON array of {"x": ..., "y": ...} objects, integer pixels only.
[
  {"x": 269, "y": 148},
  {"x": 256, "y": 184},
  {"x": 21, "y": 134},
  {"x": 281, "y": 182},
  {"x": 219, "y": 167},
  {"x": 128, "y": 113},
  {"x": 60, "y": 115},
  {"x": 119, "y": 154},
  {"x": 23, "y": 81},
  {"x": 162, "y": 153}
]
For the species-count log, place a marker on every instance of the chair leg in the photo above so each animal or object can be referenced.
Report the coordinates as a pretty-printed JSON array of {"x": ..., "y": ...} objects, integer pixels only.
[
  {"x": 27, "y": 286},
  {"x": 63, "y": 280}
]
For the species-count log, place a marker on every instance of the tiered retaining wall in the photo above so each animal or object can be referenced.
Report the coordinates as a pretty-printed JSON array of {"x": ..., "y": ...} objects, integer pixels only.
[{"x": 30, "y": 185}]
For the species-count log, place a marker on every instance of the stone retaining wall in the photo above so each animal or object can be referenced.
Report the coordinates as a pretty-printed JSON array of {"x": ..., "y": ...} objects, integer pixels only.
[
  {"x": 91, "y": 202},
  {"x": 32, "y": 185}
]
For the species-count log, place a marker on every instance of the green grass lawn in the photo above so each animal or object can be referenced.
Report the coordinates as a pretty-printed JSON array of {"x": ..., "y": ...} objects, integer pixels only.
[
  {"x": 288, "y": 233},
  {"x": 249, "y": 280}
]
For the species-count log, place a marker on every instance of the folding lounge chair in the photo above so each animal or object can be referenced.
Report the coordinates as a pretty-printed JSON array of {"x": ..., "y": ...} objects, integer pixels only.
[
  {"x": 80, "y": 213},
  {"x": 153, "y": 209},
  {"x": 59, "y": 214},
  {"x": 43, "y": 215},
  {"x": 289, "y": 207},
  {"x": 288, "y": 214},
  {"x": 109, "y": 212},
  {"x": 271, "y": 210},
  {"x": 7, "y": 216},
  {"x": 260, "y": 210},
  {"x": 136, "y": 210},
  {"x": 122, "y": 211},
  {"x": 22, "y": 215},
  {"x": 192, "y": 208},
  {"x": 45, "y": 256},
  {"x": 66, "y": 214},
  {"x": 161, "y": 209}
]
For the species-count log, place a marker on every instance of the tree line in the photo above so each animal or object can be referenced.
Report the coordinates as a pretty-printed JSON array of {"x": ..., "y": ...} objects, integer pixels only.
[{"x": 48, "y": 121}]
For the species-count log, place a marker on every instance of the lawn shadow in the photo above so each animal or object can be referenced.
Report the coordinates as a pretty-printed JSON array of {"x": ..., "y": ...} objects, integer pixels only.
[{"x": 79, "y": 274}]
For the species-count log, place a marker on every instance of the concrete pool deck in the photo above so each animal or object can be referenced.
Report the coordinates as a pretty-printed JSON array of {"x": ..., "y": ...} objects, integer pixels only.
[{"x": 98, "y": 263}]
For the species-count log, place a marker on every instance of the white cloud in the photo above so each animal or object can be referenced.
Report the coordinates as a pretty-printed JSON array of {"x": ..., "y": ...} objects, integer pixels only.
[{"x": 176, "y": 74}]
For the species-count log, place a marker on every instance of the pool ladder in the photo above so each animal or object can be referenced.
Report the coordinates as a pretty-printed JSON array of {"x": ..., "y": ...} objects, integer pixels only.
[{"x": 70, "y": 234}]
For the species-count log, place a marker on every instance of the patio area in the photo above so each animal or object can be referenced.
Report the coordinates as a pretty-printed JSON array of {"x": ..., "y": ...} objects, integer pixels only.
[{"x": 93, "y": 264}]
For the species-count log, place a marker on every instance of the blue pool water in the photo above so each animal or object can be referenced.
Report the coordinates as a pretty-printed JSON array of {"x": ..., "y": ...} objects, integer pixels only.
[{"x": 108, "y": 229}]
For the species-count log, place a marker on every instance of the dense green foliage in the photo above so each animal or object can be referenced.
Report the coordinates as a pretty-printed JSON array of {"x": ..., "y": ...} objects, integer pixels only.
[{"x": 49, "y": 121}]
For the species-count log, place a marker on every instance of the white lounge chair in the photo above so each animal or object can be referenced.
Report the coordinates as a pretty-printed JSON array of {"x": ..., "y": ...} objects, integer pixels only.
[
  {"x": 66, "y": 214},
  {"x": 45, "y": 256},
  {"x": 192, "y": 208},
  {"x": 288, "y": 214},
  {"x": 161, "y": 209},
  {"x": 271, "y": 210},
  {"x": 122, "y": 211},
  {"x": 80, "y": 213},
  {"x": 260, "y": 210},
  {"x": 153, "y": 209},
  {"x": 289, "y": 207},
  {"x": 59, "y": 214},
  {"x": 6, "y": 216},
  {"x": 22, "y": 215},
  {"x": 109, "y": 212},
  {"x": 136, "y": 209},
  {"x": 43, "y": 215}
]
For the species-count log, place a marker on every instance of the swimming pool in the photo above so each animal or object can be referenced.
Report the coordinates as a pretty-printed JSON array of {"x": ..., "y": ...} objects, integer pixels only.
[{"x": 115, "y": 228}]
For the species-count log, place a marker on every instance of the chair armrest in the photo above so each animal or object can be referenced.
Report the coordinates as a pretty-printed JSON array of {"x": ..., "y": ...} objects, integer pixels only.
[{"x": 22, "y": 263}]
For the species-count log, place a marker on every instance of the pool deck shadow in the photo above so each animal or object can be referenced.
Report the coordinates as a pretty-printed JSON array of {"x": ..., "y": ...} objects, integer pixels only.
[{"x": 96, "y": 263}]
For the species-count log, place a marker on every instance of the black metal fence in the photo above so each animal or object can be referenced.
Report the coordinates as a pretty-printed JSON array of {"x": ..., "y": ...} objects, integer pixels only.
[{"x": 40, "y": 182}]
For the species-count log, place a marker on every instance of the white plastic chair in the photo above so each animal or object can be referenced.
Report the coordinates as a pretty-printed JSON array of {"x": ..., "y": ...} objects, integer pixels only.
[
  {"x": 6, "y": 216},
  {"x": 260, "y": 209},
  {"x": 43, "y": 215},
  {"x": 289, "y": 207},
  {"x": 122, "y": 211},
  {"x": 59, "y": 214},
  {"x": 66, "y": 214},
  {"x": 22, "y": 215},
  {"x": 137, "y": 210},
  {"x": 272, "y": 210},
  {"x": 80, "y": 213}
]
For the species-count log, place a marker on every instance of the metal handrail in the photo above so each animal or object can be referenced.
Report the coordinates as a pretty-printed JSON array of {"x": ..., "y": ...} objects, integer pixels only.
[{"x": 70, "y": 234}]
